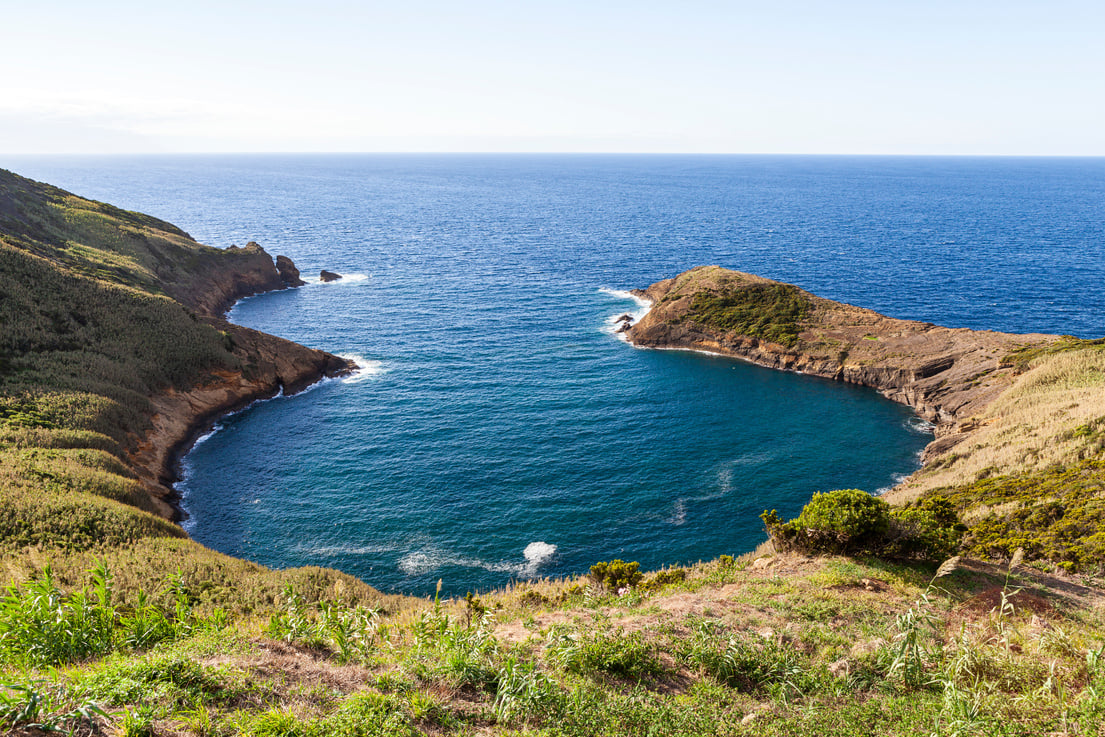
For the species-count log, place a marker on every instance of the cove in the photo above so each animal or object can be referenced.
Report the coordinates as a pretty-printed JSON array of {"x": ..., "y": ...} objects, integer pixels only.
[{"x": 479, "y": 449}]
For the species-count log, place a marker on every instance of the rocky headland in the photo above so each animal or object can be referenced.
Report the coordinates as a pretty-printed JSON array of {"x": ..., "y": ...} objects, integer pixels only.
[
  {"x": 125, "y": 313},
  {"x": 948, "y": 375},
  {"x": 271, "y": 365}
]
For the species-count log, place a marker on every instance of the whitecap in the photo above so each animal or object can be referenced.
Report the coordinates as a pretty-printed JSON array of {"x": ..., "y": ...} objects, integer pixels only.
[
  {"x": 424, "y": 561},
  {"x": 367, "y": 369},
  {"x": 337, "y": 550},
  {"x": 920, "y": 425},
  {"x": 896, "y": 478},
  {"x": 679, "y": 514},
  {"x": 535, "y": 554},
  {"x": 207, "y": 435}
]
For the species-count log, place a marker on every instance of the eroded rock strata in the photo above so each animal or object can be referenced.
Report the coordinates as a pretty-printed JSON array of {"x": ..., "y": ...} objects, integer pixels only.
[{"x": 948, "y": 375}]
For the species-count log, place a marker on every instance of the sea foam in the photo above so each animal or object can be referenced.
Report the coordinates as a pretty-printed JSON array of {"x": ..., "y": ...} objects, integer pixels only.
[
  {"x": 424, "y": 561},
  {"x": 346, "y": 279},
  {"x": 612, "y": 323},
  {"x": 367, "y": 369}
]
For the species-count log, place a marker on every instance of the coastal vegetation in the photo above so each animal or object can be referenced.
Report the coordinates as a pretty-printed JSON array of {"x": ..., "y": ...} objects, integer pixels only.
[
  {"x": 759, "y": 645},
  {"x": 772, "y": 312},
  {"x": 862, "y": 618}
]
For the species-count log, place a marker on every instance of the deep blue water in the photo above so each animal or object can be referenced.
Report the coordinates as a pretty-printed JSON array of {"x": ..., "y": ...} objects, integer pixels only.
[{"x": 497, "y": 410}]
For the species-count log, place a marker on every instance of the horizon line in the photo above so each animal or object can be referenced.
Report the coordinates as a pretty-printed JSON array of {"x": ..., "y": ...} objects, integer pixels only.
[{"x": 555, "y": 153}]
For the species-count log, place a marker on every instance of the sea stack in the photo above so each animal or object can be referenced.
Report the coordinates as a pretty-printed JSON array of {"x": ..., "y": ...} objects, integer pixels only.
[
  {"x": 326, "y": 276},
  {"x": 288, "y": 272}
]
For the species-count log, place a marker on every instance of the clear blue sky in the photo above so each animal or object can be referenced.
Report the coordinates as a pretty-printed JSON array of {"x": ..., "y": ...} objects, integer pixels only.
[{"x": 777, "y": 76}]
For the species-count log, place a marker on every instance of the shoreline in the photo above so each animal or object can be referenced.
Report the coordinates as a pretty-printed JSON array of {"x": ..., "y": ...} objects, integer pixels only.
[
  {"x": 277, "y": 367},
  {"x": 948, "y": 376}
]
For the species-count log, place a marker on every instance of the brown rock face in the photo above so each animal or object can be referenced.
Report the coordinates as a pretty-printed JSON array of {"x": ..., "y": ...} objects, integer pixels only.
[
  {"x": 222, "y": 277},
  {"x": 272, "y": 364},
  {"x": 288, "y": 272},
  {"x": 326, "y": 276},
  {"x": 945, "y": 374}
]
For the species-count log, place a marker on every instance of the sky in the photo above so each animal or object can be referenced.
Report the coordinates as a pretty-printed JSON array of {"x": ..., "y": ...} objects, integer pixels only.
[{"x": 777, "y": 76}]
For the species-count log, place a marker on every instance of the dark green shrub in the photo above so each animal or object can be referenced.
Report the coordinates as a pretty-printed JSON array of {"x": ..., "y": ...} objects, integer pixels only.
[
  {"x": 851, "y": 521},
  {"x": 929, "y": 530},
  {"x": 841, "y": 521},
  {"x": 616, "y": 575}
]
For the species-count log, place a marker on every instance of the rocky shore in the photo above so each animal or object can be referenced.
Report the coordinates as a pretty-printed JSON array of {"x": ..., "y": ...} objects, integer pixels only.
[
  {"x": 271, "y": 365},
  {"x": 947, "y": 375}
]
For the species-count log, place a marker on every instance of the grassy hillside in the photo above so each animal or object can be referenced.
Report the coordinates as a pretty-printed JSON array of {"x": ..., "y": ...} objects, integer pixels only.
[
  {"x": 113, "y": 622},
  {"x": 88, "y": 334}
]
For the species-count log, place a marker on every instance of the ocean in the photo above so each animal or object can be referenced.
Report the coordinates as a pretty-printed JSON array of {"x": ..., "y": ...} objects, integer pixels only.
[{"x": 499, "y": 429}]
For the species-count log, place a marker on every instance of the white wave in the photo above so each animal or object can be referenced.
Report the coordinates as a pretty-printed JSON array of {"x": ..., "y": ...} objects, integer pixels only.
[
  {"x": 920, "y": 425},
  {"x": 346, "y": 279},
  {"x": 613, "y": 322},
  {"x": 367, "y": 369},
  {"x": 424, "y": 561},
  {"x": 535, "y": 554},
  {"x": 207, "y": 435},
  {"x": 897, "y": 479}
]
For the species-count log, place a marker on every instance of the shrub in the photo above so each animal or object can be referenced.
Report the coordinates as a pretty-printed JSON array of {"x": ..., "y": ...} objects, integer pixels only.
[
  {"x": 851, "y": 521},
  {"x": 660, "y": 579},
  {"x": 841, "y": 521},
  {"x": 616, "y": 575}
]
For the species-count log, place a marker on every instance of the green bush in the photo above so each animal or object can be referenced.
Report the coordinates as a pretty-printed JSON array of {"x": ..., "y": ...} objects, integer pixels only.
[
  {"x": 851, "y": 522},
  {"x": 840, "y": 522},
  {"x": 616, "y": 575},
  {"x": 660, "y": 579}
]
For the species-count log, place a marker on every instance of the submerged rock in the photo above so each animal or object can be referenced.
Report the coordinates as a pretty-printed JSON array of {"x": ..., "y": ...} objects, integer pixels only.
[{"x": 326, "y": 276}]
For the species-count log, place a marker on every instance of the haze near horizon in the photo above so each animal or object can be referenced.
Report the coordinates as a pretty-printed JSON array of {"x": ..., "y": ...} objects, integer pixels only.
[{"x": 983, "y": 78}]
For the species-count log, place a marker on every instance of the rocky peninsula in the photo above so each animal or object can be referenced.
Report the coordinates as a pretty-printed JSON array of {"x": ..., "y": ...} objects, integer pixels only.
[{"x": 948, "y": 375}]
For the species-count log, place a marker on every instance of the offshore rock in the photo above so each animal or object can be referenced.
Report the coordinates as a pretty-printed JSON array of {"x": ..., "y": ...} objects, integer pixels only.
[{"x": 327, "y": 276}]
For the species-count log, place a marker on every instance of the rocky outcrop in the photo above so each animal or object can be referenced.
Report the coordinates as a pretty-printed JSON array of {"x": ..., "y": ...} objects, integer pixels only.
[
  {"x": 221, "y": 277},
  {"x": 947, "y": 375},
  {"x": 328, "y": 276},
  {"x": 288, "y": 272}
]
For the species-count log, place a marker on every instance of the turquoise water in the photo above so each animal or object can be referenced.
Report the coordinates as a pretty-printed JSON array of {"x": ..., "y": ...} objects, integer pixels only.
[{"x": 499, "y": 429}]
